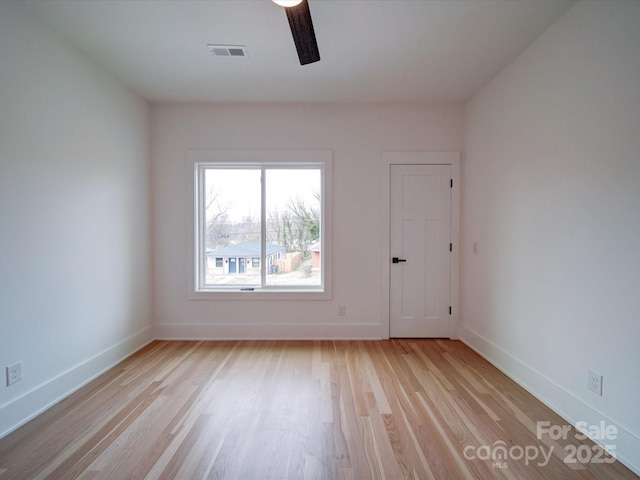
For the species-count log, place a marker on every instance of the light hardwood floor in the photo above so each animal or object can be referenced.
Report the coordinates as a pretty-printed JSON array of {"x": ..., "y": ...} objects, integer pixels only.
[{"x": 424, "y": 409}]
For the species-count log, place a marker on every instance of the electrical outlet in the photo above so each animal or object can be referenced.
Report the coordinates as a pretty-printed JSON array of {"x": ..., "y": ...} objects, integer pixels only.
[
  {"x": 14, "y": 373},
  {"x": 595, "y": 382},
  {"x": 342, "y": 310}
]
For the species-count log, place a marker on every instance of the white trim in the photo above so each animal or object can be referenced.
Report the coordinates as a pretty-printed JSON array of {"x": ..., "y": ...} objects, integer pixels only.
[
  {"x": 552, "y": 395},
  {"x": 20, "y": 410},
  {"x": 269, "y": 331},
  {"x": 323, "y": 158},
  {"x": 421, "y": 158}
]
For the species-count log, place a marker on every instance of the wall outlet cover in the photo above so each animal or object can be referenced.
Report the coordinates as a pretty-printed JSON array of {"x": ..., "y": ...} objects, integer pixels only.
[
  {"x": 14, "y": 373},
  {"x": 595, "y": 382}
]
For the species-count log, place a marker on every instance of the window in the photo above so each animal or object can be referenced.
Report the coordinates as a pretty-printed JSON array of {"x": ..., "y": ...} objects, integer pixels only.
[{"x": 264, "y": 217}]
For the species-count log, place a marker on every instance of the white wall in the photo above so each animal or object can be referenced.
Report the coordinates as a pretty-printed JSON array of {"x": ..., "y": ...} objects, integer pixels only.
[
  {"x": 74, "y": 217},
  {"x": 552, "y": 198},
  {"x": 357, "y": 135}
]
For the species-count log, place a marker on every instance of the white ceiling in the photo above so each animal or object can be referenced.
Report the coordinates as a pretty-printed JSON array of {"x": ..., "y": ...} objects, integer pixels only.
[{"x": 380, "y": 51}]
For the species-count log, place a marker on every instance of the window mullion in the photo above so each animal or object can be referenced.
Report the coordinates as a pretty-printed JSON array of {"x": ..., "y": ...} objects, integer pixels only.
[
  {"x": 201, "y": 225},
  {"x": 263, "y": 228}
]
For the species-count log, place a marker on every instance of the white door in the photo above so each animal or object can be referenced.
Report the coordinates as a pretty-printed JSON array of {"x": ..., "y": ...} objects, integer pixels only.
[{"x": 420, "y": 269}]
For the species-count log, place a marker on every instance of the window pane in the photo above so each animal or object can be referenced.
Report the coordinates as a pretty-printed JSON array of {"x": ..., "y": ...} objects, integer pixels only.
[
  {"x": 232, "y": 230},
  {"x": 293, "y": 208}
]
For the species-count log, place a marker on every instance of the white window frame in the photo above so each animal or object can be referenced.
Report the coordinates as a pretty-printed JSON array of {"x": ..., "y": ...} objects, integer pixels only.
[{"x": 199, "y": 159}]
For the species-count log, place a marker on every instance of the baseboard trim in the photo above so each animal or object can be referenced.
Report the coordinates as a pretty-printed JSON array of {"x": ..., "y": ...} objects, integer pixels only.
[
  {"x": 261, "y": 331},
  {"x": 564, "y": 403},
  {"x": 20, "y": 410}
]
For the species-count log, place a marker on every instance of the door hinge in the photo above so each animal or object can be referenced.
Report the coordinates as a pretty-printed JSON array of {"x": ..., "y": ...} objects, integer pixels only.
[
  {"x": 451, "y": 247},
  {"x": 452, "y": 183},
  {"x": 449, "y": 310}
]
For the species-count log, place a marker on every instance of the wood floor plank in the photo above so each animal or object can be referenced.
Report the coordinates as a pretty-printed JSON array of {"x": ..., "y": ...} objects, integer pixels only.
[{"x": 254, "y": 410}]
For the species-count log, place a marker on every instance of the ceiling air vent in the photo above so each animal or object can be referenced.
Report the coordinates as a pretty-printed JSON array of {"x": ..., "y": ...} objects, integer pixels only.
[{"x": 228, "y": 50}]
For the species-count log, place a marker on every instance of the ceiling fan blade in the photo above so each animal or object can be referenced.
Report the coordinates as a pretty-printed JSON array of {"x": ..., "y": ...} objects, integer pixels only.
[{"x": 303, "y": 34}]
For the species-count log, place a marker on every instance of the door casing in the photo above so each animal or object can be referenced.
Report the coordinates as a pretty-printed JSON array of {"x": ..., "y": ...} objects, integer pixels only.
[{"x": 420, "y": 158}]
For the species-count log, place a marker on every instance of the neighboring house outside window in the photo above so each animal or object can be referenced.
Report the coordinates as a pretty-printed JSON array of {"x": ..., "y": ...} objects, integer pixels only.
[{"x": 245, "y": 258}]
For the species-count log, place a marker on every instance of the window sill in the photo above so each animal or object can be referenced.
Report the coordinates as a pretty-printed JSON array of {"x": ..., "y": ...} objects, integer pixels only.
[{"x": 261, "y": 294}]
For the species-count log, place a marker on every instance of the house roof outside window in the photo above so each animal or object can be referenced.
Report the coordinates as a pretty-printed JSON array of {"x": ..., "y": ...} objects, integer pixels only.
[{"x": 245, "y": 249}]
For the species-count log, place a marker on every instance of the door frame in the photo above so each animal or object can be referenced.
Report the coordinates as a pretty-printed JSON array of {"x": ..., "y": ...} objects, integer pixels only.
[{"x": 421, "y": 158}]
